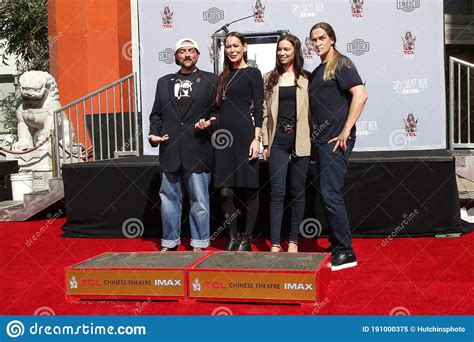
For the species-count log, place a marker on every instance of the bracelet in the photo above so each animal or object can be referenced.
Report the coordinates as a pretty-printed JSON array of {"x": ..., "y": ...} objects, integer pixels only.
[{"x": 259, "y": 139}]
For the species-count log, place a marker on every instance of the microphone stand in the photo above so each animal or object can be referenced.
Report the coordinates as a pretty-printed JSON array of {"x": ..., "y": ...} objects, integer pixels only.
[
  {"x": 215, "y": 38},
  {"x": 224, "y": 28}
]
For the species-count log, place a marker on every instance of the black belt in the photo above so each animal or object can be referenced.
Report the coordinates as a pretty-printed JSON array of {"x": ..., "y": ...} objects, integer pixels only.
[{"x": 287, "y": 128}]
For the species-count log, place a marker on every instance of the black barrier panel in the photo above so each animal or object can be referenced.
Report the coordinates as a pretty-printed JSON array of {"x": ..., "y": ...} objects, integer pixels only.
[{"x": 407, "y": 193}]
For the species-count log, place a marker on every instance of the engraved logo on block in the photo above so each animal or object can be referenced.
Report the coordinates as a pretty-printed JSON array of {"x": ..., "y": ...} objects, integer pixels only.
[
  {"x": 196, "y": 285},
  {"x": 73, "y": 283}
]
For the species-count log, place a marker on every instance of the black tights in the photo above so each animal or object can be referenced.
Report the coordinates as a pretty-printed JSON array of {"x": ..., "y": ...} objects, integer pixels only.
[{"x": 247, "y": 200}]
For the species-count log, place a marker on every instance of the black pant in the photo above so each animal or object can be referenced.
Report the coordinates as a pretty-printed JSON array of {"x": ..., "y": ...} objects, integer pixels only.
[
  {"x": 333, "y": 167},
  {"x": 281, "y": 154}
]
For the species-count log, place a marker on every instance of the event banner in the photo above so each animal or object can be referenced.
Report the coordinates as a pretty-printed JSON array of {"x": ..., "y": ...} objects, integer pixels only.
[
  {"x": 396, "y": 45},
  {"x": 236, "y": 328}
]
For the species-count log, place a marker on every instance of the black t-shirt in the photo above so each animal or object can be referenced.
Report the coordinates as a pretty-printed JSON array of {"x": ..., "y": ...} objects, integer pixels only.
[
  {"x": 286, "y": 106},
  {"x": 330, "y": 100},
  {"x": 183, "y": 89}
]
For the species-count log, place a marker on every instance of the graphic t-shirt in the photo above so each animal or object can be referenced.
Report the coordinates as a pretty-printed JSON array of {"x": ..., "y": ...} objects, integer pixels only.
[
  {"x": 183, "y": 89},
  {"x": 330, "y": 100}
]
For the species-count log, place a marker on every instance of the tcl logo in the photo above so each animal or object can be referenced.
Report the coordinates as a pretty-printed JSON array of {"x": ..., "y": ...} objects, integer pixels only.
[
  {"x": 91, "y": 282},
  {"x": 215, "y": 284}
]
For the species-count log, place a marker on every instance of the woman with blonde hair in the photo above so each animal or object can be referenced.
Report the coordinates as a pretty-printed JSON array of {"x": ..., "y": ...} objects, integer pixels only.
[
  {"x": 337, "y": 98},
  {"x": 286, "y": 136}
]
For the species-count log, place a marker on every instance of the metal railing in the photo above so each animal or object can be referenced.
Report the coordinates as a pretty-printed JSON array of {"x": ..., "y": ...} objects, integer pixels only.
[
  {"x": 101, "y": 125},
  {"x": 461, "y": 132}
]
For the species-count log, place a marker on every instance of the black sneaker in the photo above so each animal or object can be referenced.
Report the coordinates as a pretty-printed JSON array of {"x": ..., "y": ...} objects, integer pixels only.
[{"x": 342, "y": 260}]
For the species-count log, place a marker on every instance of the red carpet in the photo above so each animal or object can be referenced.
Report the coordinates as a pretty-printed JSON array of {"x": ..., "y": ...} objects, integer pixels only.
[{"x": 422, "y": 276}]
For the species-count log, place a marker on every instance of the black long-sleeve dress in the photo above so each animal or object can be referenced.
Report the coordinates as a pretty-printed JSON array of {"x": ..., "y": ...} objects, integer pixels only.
[{"x": 240, "y": 113}]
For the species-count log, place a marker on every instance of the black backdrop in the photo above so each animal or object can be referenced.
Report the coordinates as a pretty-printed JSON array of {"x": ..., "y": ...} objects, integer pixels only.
[{"x": 412, "y": 192}]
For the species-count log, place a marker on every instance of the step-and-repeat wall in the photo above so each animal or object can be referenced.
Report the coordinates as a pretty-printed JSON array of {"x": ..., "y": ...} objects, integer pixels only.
[{"x": 397, "y": 46}]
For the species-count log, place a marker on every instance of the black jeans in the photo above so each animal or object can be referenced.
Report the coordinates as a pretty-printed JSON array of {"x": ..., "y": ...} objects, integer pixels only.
[
  {"x": 281, "y": 155},
  {"x": 333, "y": 167}
]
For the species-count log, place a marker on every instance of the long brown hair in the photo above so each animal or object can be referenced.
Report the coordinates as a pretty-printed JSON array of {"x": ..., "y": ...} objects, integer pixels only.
[
  {"x": 336, "y": 60},
  {"x": 228, "y": 67},
  {"x": 279, "y": 69}
]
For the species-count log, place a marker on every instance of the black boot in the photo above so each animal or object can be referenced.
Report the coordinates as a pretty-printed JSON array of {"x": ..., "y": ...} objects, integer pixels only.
[
  {"x": 233, "y": 242},
  {"x": 245, "y": 243}
]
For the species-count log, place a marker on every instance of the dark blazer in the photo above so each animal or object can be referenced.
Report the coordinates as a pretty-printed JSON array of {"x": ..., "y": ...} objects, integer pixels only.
[{"x": 186, "y": 146}]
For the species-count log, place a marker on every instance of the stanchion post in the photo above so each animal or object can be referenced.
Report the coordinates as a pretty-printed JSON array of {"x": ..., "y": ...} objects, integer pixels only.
[{"x": 53, "y": 154}]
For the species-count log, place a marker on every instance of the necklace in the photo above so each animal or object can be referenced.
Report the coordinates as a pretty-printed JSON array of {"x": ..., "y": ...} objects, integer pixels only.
[{"x": 227, "y": 85}]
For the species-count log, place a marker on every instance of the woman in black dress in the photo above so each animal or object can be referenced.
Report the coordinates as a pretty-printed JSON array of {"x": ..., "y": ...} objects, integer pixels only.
[{"x": 237, "y": 139}]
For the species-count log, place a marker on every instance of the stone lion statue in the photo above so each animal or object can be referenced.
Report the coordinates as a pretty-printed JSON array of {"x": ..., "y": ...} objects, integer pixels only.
[{"x": 40, "y": 97}]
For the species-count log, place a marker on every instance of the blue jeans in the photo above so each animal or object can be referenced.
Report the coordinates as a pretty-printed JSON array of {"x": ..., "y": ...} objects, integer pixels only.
[
  {"x": 171, "y": 194},
  {"x": 333, "y": 167}
]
